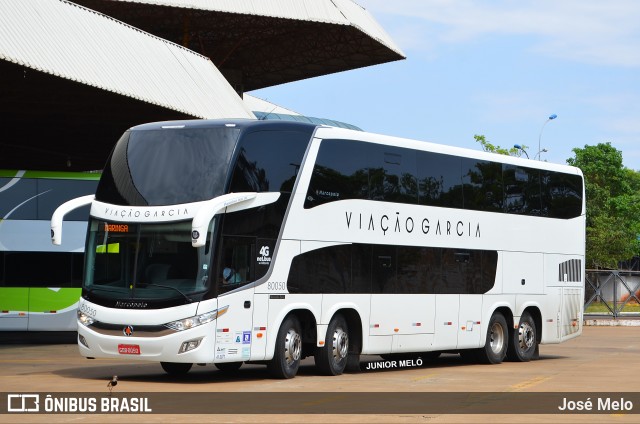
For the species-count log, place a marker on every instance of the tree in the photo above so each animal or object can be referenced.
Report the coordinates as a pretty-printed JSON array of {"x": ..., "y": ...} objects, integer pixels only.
[
  {"x": 613, "y": 205},
  {"x": 613, "y": 201},
  {"x": 488, "y": 147}
]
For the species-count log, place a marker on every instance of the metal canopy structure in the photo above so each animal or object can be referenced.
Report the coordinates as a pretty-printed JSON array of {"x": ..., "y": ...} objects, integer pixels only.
[
  {"x": 72, "y": 80},
  {"x": 258, "y": 43},
  {"x": 75, "y": 75},
  {"x": 52, "y": 123}
]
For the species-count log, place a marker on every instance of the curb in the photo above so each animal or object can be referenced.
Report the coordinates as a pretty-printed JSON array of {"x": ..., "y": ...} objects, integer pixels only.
[{"x": 612, "y": 322}]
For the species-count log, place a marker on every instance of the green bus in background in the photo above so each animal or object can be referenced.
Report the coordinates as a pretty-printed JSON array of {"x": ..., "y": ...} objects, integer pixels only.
[{"x": 39, "y": 282}]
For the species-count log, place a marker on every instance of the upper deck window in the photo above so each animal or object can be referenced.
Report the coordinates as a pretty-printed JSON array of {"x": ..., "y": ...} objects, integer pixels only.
[
  {"x": 349, "y": 169},
  {"x": 160, "y": 167},
  {"x": 269, "y": 160}
]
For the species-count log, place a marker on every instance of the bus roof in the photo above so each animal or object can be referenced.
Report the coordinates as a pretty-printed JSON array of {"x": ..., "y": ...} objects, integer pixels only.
[
  {"x": 213, "y": 123},
  {"x": 328, "y": 132}
]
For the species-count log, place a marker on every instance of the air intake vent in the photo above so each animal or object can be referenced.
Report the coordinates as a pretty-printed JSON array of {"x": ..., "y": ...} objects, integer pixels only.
[{"x": 570, "y": 271}]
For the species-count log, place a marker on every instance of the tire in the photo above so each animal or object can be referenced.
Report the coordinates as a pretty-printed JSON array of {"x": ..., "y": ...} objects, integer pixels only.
[
  {"x": 331, "y": 359},
  {"x": 176, "y": 368},
  {"x": 288, "y": 350},
  {"x": 228, "y": 367},
  {"x": 353, "y": 363},
  {"x": 495, "y": 346},
  {"x": 523, "y": 343}
]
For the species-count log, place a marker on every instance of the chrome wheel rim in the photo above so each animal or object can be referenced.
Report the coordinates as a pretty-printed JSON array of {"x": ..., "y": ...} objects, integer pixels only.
[
  {"x": 526, "y": 336},
  {"x": 496, "y": 338},
  {"x": 292, "y": 346},
  {"x": 340, "y": 344}
]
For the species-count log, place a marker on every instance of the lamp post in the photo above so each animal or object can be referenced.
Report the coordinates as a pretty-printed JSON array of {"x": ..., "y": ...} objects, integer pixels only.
[
  {"x": 539, "y": 153},
  {"x": 551, "y": 118},
  {"x": 519, "y": 147}
]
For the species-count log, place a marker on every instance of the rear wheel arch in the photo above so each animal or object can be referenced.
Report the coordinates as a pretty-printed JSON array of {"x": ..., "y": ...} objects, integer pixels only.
[
  {"x": 309, "y": 328},
  {"x": 354, "y": 322}
]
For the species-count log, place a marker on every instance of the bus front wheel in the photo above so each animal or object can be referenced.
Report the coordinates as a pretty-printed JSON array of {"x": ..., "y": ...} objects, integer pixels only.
[
  {"x": 331, "y": 359},
  {"x": 288, "y": 350},
  {"x": 495, "y": 346},
  {"x": 176, "y": 368},
  {"x": 524, "y": 341}
]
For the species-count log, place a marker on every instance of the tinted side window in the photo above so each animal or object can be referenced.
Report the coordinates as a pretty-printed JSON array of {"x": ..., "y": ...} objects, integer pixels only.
[
  {"x": 341, "y": 172},
  {"x": 56, "y": 192},
  {"x": 482, "y": 185},
  {"x": 431, "y": 257},
  {"x": 515, "y": 181},
  {"x": 33, "y": 198},
  {"x": 454, "y": 264},
  {"x": 236, "y": 267},
  {"x": 412, "y": 272},
  {"x": 326, "y": 270},
  {"x": 392, "y": 175},
  {"x": 77, "y": 269},
  {"x": 562, "y": 195},
  {"x": 269, "y": 160},
  {"x": 19, "y": 193},
  {"x": 489, "y": 266},
  {"x": 440, "y": 180},
  {"x": 361, "y": 268},
  {"x": 263, "y": 222},
  {"x": 521, "y": 190},
  {"x": 347, "y": 169},
  {"x": 261, "y": 225},
  {"x": 533, "y": 193},
  {"x": 41, "y": 269},
  {"x": 384, "y": 269},
  {"x": 462, "y": 272}
]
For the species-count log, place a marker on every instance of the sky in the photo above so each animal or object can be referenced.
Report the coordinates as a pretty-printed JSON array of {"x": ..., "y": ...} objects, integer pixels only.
[{"x": 497, "y": 68}]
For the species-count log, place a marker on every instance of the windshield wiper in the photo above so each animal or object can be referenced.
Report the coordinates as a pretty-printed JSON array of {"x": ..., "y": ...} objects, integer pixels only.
[
  {"x": 105, "y": 288},
  {"x": 187, "y": 298}
]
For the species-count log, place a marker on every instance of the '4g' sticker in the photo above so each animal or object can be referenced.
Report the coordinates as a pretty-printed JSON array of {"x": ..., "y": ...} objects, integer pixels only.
[{"x": 264, "y": 257}]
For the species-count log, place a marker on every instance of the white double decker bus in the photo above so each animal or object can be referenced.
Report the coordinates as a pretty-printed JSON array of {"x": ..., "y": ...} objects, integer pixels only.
[{"x": 229, "y": 242}]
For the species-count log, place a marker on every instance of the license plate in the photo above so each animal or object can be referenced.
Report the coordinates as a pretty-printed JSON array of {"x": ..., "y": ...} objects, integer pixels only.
[{"x": 127, "y": 349}]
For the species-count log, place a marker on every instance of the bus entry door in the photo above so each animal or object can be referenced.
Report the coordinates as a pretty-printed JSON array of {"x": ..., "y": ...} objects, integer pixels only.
[{"x": 234, "y": 328}]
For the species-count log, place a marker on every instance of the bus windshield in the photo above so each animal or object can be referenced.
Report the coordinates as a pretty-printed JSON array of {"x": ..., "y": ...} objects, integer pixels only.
[{"x": 145, "y": 261}]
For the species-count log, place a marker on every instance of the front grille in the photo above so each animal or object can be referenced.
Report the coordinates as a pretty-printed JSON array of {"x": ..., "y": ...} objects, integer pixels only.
[{"x": 138, "y": 330}]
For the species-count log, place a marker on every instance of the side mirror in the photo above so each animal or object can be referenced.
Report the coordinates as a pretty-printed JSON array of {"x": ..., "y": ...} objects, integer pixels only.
[
  {"x": 61, "y": 211},
  {"x": 232, "y": 202}
]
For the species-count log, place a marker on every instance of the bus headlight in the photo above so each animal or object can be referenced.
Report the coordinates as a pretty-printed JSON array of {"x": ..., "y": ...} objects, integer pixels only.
[
  {"x": 85, "y": 319},
  {"x": 187, "y": 323}
]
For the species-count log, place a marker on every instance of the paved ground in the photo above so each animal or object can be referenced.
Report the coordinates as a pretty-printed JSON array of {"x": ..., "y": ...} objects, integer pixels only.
[{"x": 604, "y": 360}]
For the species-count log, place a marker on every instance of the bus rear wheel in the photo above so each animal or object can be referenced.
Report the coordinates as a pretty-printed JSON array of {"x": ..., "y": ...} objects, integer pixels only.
[
  {"x": 495, "y": 346},
  {"x": 176, "y": 368},
  {"x": 331, "y": 359},
  {"x": 524, "y": 340},
  {"x": 288, "y": 350}
]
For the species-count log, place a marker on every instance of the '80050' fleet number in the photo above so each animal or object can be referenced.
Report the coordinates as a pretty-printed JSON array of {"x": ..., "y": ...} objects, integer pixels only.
[{"x": 276, "y": 286}]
